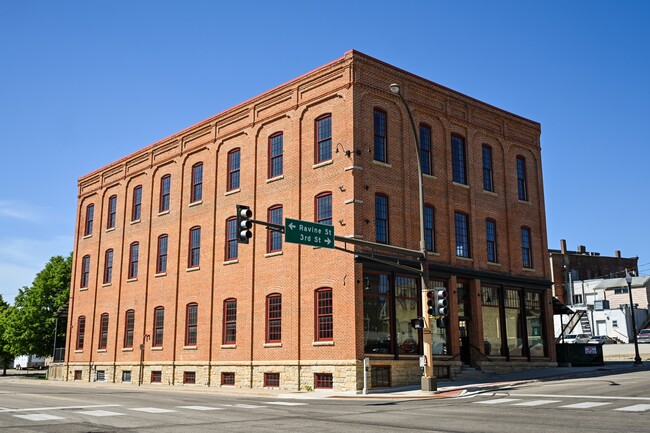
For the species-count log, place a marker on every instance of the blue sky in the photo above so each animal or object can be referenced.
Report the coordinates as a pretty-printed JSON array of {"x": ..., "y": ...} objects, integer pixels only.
[{"x": 84, "y": 83}]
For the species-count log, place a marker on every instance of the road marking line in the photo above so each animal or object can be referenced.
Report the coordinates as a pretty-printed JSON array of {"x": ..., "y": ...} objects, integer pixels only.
[
  {"x": 200, "y": 407},
  {"x": 536, "y": 402},
  {"x": 498, "y": 401},
  {"x": 99, "y": 413},
  {"x": 584, "y": 405},
  {"x": 597, "y": 397},
  {"x": 39, "y": 409},
  {"x": 284, "y": 403},
  {"x": 635, "y": 408},
  {"x": 39, "y": 417},
  {"x": 152, "y": 410},
  {"x": 248, "y": 406}
]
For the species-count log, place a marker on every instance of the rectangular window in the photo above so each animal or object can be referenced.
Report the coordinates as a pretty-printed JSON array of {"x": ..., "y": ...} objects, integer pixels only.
[
  {"x": 103, "y": 332},
  {"x": 133, "y": 260},
  {"x": 90, "y": 215},
  {"x": 491, "y": 307},
  {"x": 158, "y": 326},
  {"x": 100, "y": 375},
  {"x": 126, "y": 376},
  {"x": 112, "y": 212},
  {"x": 526, "y": 256},
  {"x": 323, "y": 138},
  {"x": 429, "y": 228},
  {"x": 189, "y": 377},
  {"x": 165, "y": 192},
  {"x": 522, "y": 187},
  {"x": 227, "y": 379},
  {"x": 406, "y": 307},
  {"x": 233, "y": 169},
  {"x": 195, "y": 247},
  {"x": 425, "y": 149},
  {"x": 380, "y": 135},
  {"x": 274, "y": 318},
  {"x": 275, "y": 155},
  {"x": 85, "y": 271},
  {"x": 271, "y": 380},
  {"x": 81, "y": 332},
  {"x": 137, "y": 204},
  {"x": 488, "y": 177},
  {"x": 491, "y": 240},
  {"x": 230, "y": 321},
  {"x": 458, "y": 159},
  {"x": 323, "y": 381},
  {"x": 196, "y": 192},
  {"x": 129, "y": 326},
  {"x": 461, "y": 225},
  {"x": 377, "y": 308},
  {"x": 77, "y": 375},
  {"x": 232, "y": 249},
  {"x": 324, "y": 208},
  {"x": 191, "y": 321},
  {"x": 108, "y": 266},
  {"x": 156, "y": 376},
  {"x": 161, "y": 256},
  {"x": 274, "y": 237},
  {"x": 381, "y": 218},
  {"x": 324, "y": 315}
]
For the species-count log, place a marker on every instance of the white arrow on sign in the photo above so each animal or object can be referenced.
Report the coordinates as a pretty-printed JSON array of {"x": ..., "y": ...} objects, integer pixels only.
[
  {"x": 328, "y": 241},
  {"x": 292, "y": 226}
]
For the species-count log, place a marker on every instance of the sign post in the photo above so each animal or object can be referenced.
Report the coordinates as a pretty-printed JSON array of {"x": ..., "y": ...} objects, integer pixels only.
[{"x": 308, "y": 233}]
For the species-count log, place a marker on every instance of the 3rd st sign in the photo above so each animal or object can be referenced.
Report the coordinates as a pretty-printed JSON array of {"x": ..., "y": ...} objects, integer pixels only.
[{"x": 308, "y": 233}]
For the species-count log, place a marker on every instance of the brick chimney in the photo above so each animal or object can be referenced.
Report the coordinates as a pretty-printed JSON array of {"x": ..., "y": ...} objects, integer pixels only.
[{"x": 563, "y": 246}]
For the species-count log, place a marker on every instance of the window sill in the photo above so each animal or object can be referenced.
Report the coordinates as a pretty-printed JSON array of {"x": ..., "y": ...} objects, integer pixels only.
[
  {"x": 229, "y": 346},
  {"x": 273, "y": 254},
  {"x": 494, "y": 264},
  {"x": 101, "y": 350},
  {"x": 131, "y": 280},
  {"x": 465, "y": 259},
  {"x": 433, "y": 253},
  {"x": 165, "y": 212},
  {"x": 275, "y": 179},
  {"x": 462, "y": 185},
  {"x": 528, "y": 269},
  {"x": 162, "y": 274},
  {"x": 194, "y": 269},
  {"x": 195, "y": 203},
  {"x": 322, "y": 164},
  {"x": 382, "y": 163},
  {"x": 232, "y": 191},
  {"x": 322, "y": 343},
  {"x": 189, "y": 347},
  {"x": 157, "y": 349},
  {"x": 230, "y": 262},
  {"x": 83, "y": 289},
  {"x": 127, "y": 349},
  {"x": 79, "y": 351},
  {"x": 110, "y": 229},
  {"x": 106, "y": 285},
  {"x": 525, "y": 202},
  {"x": 429, "y": 176},
  {"x": 135, "y": 222},
  {"x": 492, "y": 193},
  {"x": 87, "y": 236},
  {"x": 272, "y": 345}
]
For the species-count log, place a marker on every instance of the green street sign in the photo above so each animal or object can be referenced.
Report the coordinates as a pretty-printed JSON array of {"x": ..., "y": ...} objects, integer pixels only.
[{"x": 308, "y": 233}]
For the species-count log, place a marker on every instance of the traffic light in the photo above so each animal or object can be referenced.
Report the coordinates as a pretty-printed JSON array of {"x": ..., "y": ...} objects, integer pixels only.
[
  {"x": 244, "y": 223},
  {"x": 441, "y": 301},
  {"x": 431, "y": 302}
]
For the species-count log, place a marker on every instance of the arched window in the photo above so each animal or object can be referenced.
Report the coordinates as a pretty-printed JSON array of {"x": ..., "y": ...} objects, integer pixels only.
[
  {"x": 234, "y": 166},
  {"x": 129, "y": 326},
  {"x": 381, "y": 135},
  {"x": 90, "y": 215},
  {"x": 134, "y": 252},
  {"x": 158, "y": 326},
  {"x": 191, "y": 324},
  {"x": 324, "y": 318},
  {"x": 274, "y": 318},
  {"x": 165, "y": 192},
  {"x": 195, "y": 247},
  {"x": 85, "y": 271},
  {"x": 276, "y": 153},
  {"x": 196, "y": 191},
  {"x": 230, "y": 321},
  {"x": 323, "y": 208},
  {"x": 323, "y": 138},
  {"x": 81, "y": 332},
  {"x": 103, "y": 332}
]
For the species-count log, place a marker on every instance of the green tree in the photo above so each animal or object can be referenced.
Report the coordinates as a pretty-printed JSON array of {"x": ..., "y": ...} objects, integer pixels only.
[
  {"x": 5, "y": 354},
  {"x": 29, "y": 325}
]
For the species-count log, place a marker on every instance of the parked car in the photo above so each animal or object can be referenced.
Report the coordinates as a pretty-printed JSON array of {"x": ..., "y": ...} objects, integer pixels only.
[
  {"x": 601, "y": 339},
  {"x": 29, "y": 361},
  {"x": 644, "y": 336},
  {"x": 576, "y": 338}
]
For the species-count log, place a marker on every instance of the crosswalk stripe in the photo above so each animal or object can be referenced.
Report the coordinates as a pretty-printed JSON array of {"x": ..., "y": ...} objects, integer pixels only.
[
  {"x": 200, "y": 407},
  {"x": 635, "y": 408},
  {"x": 584, "y": 405},
  {"x": 39, "y": 417},
  {"x": 248, "y": 406},
  {"x": 499, "y": 401},
  {"x": 99, "y": 413},
  {"x": 152, "y": 410},
  {"x": 285, "y": 403},
  {"x": 536, "y": 402}
]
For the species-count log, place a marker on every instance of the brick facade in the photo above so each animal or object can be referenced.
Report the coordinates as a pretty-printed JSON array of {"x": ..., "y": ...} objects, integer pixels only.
[{"x": 349, "y": 89}]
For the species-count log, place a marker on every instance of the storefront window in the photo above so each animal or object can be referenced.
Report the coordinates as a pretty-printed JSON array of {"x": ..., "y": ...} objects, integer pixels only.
[
  {"x": 376, "y": 313},
  {"x": 491, "y": 322},
  {"x": 534, "y": 324},
  {"x": 406, "y": 308},
  {"x": 438, "y": 335},
  {"x": 513, "y": 323}
]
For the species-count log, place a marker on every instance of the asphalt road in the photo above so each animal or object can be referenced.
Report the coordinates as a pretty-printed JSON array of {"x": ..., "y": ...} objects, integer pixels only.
[{"x": 614, "y": 403}]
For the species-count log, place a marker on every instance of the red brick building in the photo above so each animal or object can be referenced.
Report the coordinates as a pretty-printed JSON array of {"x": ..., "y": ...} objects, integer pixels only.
[{"x": 162, "y": 292}]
